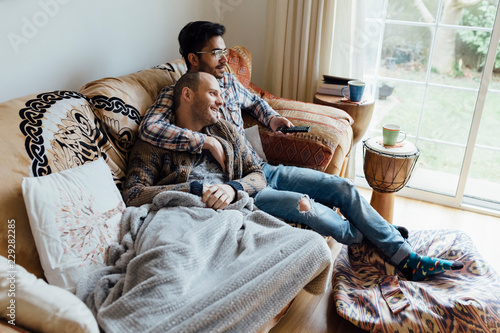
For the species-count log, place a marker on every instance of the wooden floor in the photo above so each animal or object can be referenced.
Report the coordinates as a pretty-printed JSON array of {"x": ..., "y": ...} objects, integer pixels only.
[{"x": 316, "y": 313}]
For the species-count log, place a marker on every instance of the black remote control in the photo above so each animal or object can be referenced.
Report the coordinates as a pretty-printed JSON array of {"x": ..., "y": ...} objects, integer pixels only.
[{"x": 293, "y": 129}]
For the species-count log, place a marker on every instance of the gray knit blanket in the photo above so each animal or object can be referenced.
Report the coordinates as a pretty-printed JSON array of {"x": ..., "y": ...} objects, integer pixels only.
[{"x": 181, "y": 267}]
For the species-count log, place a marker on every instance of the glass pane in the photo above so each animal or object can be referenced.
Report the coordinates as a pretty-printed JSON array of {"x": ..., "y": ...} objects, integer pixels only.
[
  {"x": 483, "y": 181},
  {"x": 374, "y": 9},
  {"x": 484, "y": 178},
  {"x": 448, "y": 114},
  {"x": 495, "y": 82},
  {"x": 405, "y": 52},
  {"x": 438, "y": 168},
  {"x": 459, "y": 57},
  {"x": 490, "y": 122},
  {"x": 397, "y": 103},
  {"x": 424, "y": 11}
]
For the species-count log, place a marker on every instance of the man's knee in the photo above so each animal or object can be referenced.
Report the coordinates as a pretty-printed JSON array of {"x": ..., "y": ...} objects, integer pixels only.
[{"x": 304, "y": 204}]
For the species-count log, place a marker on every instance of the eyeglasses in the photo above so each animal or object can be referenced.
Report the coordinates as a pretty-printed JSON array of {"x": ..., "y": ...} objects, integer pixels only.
[{"x": 219, "y": 53}]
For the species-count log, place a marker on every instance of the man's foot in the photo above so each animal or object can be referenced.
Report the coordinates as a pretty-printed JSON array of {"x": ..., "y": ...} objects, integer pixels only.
[
  {"x": 416, "y": 267},
  {"x": 402, "y": 230}
]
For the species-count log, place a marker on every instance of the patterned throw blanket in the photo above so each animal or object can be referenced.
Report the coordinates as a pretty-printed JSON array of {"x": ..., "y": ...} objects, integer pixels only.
[
  {"x": 369, "y": 292},
  {"x": 181, "y": 267}
]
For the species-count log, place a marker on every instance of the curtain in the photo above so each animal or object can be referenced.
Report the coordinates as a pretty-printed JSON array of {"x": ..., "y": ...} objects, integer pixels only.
[{"x": 308, "y": 38}]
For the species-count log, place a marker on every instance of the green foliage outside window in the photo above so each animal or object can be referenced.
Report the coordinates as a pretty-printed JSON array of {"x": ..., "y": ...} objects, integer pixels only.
[{"x": 478, "y": 41}]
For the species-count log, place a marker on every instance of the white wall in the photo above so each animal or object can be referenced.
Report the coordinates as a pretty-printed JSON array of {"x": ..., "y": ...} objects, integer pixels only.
[
  {"x": 245, "y": 22},
  {"x": 63, "y": 44}
]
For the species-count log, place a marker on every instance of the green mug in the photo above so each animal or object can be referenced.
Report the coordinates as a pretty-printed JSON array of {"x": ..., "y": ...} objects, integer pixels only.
[{"x": 390, "y": 134}]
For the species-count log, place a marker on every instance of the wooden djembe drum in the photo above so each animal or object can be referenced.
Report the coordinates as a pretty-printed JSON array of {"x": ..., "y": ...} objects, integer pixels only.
[{"x": 387, "y": 170}]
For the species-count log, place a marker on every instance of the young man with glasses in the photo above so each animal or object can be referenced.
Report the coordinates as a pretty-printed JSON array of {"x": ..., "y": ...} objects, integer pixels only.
[{"x": 295, "y": 194}]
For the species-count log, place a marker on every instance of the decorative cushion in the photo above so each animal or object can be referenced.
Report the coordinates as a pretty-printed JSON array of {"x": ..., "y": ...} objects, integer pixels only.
[
  {"x": 374, "y": 296},
  {"x": 74, "y": 216},
  {"x": 331, "y": 130},
  {"x": 33, "y": 304},
  {"x": 120, "y": 102},
  {"x": 239, "y": 63},
  {"x": 253, "y": 136}
]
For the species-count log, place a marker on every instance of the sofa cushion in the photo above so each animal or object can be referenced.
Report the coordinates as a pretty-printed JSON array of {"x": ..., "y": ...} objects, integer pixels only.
[
  {"x": 138, "y": 90},
  {"x": 39, "y": 306},
  {"x": 74, "y": 216},
  {"x": 62, "y": 131},
  {"x": 120, "y": 102},
  {"x": 252, "y": 135},
  {"x": 239, "y": 63}
]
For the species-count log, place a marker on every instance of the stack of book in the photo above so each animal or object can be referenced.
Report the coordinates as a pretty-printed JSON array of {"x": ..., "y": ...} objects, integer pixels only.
[{"x": 332, "y": 85}]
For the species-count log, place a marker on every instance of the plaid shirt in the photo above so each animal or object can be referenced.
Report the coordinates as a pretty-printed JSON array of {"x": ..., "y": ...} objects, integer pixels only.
[{"x": 157, "y": 126}]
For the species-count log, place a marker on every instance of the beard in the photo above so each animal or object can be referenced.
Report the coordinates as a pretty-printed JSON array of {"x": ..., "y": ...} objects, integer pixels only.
[
  {"x": 217, "y": 71},
  {"x": 203, "y": 113}
]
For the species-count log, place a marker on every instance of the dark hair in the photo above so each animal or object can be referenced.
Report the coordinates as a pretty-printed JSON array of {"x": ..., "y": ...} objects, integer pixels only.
[
  {"x": 195, "y": 35},
  {"x": 190, "y": 80}
]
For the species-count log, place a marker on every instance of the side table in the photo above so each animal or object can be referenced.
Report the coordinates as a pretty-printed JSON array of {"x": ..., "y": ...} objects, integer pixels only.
[
  {"x": 387, "y": 170},
  {"x": 362, "y": 115}
]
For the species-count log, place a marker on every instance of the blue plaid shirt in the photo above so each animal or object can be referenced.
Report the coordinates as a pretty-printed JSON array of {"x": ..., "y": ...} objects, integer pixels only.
[{"x": 157, "y": 128}]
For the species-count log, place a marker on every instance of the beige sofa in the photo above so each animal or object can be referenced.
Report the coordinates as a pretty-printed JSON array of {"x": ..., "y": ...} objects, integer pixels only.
[{"x": 53, "y": 131}]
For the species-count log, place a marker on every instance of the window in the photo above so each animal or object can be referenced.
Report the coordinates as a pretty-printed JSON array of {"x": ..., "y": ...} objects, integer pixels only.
[{"x": 434, "y": 68}]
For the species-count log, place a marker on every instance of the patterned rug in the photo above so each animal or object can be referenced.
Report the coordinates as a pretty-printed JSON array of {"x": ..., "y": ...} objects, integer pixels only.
[{"x": 374, "y": 296}]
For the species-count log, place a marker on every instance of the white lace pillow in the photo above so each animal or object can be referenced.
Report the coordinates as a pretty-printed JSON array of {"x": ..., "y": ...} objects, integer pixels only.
[{"x": 74, "y": 216}]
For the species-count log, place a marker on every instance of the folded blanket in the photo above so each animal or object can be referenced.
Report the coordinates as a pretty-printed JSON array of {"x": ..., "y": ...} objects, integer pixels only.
[{"x": 181, "y": 267}]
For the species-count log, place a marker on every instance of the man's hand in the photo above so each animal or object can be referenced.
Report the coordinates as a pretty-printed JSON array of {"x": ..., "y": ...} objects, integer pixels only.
[
  {"x": 279, "y": 121},
  {"x": 214, "y": 146},
  {"x": 218, "y": 196}
]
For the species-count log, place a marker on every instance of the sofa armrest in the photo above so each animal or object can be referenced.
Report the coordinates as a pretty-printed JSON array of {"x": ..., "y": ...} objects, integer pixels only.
[{"x": 324, "y": 148}]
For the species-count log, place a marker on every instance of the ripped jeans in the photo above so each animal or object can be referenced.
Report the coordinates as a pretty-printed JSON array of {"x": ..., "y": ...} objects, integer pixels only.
[{"x": 287, "y": 186}]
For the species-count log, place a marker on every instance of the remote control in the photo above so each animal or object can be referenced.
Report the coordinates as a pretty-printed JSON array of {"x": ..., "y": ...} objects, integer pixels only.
[{"x": 293, "y": 129}]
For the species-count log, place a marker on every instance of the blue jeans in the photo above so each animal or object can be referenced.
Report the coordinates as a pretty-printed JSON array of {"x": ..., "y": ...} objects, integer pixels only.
[{"x": 287, "y": 185}]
